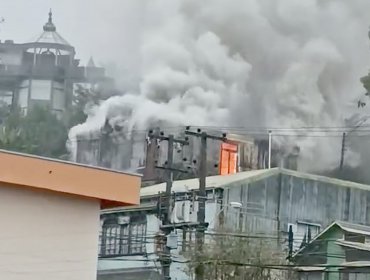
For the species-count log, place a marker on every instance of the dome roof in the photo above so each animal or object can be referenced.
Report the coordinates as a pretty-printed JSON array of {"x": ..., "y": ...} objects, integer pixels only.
[
  {"x": 50, "y": 35},
  {"x": 49, "y": 38}
]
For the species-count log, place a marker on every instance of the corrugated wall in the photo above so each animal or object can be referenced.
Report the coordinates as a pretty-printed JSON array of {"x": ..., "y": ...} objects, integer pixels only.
[{"x": 273, "y": 202}]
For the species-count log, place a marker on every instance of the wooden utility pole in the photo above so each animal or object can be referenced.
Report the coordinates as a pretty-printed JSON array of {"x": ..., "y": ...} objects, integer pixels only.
[
  {"x": 168, "y": 167},
  {"x": 343, "y": 150},
  {"x": 202, "y": 195}
]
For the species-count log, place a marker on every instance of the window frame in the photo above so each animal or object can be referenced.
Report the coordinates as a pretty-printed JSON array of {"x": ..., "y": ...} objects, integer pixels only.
[{"x": 131, "y": 237}]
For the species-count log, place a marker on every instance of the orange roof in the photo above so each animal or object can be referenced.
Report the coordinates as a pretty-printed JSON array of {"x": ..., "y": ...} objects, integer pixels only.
[{"x": 111, "y": 187}]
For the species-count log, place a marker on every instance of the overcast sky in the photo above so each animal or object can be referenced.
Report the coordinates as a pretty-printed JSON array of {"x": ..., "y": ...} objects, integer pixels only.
[{"x": 103, "y": 29}]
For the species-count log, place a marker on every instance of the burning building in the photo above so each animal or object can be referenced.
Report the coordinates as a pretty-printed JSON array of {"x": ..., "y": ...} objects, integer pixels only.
[
  {"x": 113, "y": 147},
  {"x": 45, "y": 72}
]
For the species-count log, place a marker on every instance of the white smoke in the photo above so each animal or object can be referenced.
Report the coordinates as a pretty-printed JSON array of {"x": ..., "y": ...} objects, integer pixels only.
[{"x": 250, "y": 63}]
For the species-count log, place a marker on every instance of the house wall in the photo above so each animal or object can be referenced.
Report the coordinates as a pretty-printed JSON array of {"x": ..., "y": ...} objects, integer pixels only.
[{"x": 47, "y": 236}]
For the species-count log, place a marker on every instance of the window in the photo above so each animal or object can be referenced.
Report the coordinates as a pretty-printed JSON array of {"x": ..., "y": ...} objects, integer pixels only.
[
  {"x": 125, "y": 235},
  {"x": 40, "y": 89},
  {"x": 353, "y": 237},
  {"x": 308, "y": 230},
  {"x": 303, "y": 233}
]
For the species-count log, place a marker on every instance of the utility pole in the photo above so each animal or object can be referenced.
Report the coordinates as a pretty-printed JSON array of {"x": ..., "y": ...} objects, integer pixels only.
[
  {"x": 343, "y": 150},
  {"x": 169, "y": 169},
  {"x": 270, "y": 147},
  {"x": 199, "y": 271}
]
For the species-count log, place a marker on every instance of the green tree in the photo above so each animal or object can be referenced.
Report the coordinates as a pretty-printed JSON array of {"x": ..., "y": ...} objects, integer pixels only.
[
  {"x": 39, "y": 132},
  {"x": 83, "y": 97}
]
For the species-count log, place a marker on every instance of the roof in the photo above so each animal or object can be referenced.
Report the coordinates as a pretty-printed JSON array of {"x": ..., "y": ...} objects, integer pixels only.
[
  {"x": 141, "y": 207},
  {"x": 355, "y": 264},
  {"x": 323, "y": 267},
  {"x": 50, "y": 34},
  {"x": 345, "y": 226},
  {"x": 353, "y": 228},
  {"x": 218, "y": 181},
  {"x": 310, "y": 268},
  {"x": 112, "y": 188},
  {"x": 91, "y": 62},
  {"x": 52, "y": 37},
  {"x": 354, "y": 245},
  {"x": 221, "y": 181}
]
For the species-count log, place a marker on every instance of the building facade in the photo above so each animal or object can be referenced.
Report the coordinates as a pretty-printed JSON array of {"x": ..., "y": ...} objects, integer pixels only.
[
  {"x": 52, "y": 231},
  {"x": 116, "y": 147},
  {"x": 269, "y": 203},
  {"x": 45, "y": 72}
]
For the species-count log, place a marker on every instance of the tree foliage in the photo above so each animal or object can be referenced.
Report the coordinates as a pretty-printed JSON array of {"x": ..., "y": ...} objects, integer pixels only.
[
  {"x": 229, "y": 256},
  {"x": 82, "y": 99},
  {"x": 39, "y": 132}
]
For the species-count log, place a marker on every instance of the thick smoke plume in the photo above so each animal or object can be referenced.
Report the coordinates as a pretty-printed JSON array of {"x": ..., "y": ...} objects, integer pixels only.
[{"x": 247, "y": 63}]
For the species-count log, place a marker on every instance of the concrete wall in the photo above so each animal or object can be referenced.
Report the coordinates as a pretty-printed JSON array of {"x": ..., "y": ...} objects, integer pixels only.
[{"x": 47, "y": 236}]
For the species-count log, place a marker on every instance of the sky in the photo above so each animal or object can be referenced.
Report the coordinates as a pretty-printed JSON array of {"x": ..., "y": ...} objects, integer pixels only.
[{"x": 95, "y": 28}]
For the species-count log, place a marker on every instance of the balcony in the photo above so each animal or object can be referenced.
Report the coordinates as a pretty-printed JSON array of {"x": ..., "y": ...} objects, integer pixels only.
[
  {"x": 13, "y": 70},
  {"x": 12, "y": 73}
]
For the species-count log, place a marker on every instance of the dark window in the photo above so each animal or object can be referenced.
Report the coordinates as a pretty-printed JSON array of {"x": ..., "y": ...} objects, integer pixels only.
[
  {"x": 126, "y": 236},
  {"x": 352, "y": 237}
]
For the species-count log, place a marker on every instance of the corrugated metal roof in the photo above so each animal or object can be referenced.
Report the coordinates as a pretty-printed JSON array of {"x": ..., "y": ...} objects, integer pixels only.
[
  {"x": 211, "y": 182},
  {"x": 220, "y": 181}
]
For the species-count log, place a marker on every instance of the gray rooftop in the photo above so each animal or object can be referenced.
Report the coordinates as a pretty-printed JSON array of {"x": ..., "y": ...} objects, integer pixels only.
[
  {"x": 221, "y": 181},
  {"x": 354, "y": 228}
]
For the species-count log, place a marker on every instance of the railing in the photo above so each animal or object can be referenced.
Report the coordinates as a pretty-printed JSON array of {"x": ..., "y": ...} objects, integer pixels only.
[
  {"x": 41, "y": 70},
  {"x": 14, "y": 70}
]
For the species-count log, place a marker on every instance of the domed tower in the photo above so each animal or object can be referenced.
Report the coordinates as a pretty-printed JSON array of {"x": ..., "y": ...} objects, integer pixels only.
[
  {"x": 49, "y": 62},
  {"x": 44, "y": 72}
]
